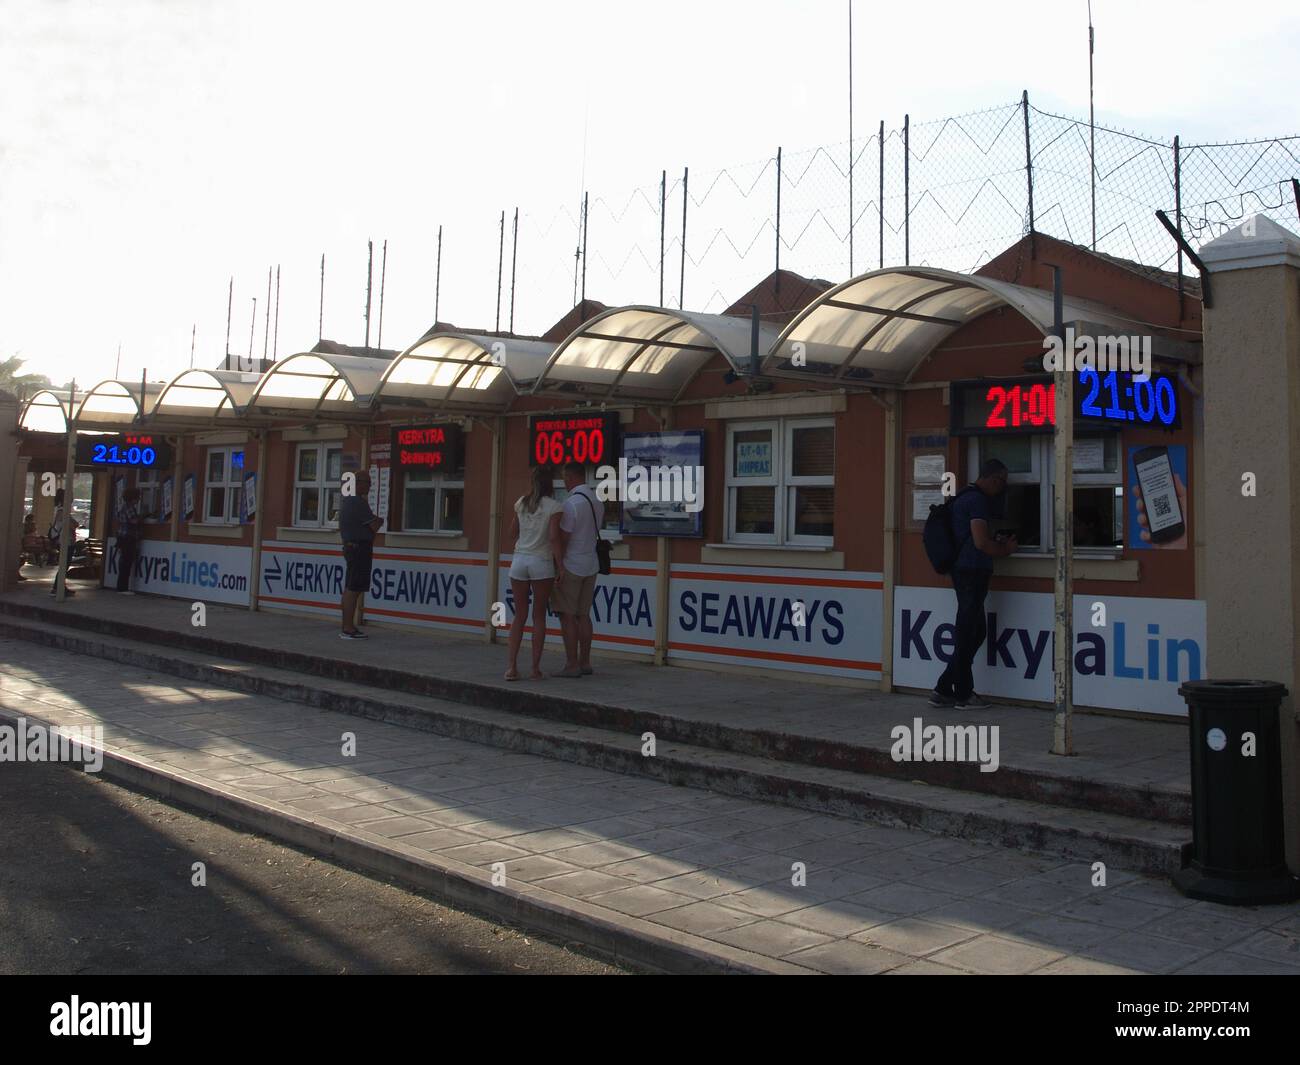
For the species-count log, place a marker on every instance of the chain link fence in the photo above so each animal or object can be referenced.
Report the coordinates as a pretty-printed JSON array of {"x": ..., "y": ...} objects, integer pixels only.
[{"x": 948, "y": 193}]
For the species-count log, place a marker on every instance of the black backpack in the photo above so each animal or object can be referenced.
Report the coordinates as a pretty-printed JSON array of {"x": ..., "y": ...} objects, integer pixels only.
[{"x": 942, "y": 544}]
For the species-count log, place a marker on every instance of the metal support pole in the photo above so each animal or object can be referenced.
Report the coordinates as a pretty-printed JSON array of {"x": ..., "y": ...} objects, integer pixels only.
[
  {"x": 494, "y": 533},
  {"x": 686, "y": 179},
  {"x": 778, "y": 218},
  {"x": 383, "y": 280},
  {"x": 252, "y": 328},
  {"x": 359, "y": 617},
  {"x": 1178, "y": 220},
  {"x": 514, "y": 264},
  {"x": 1092, "y": 133},
  {"x": 850, "y": 7},
  {"x": 907, "y": 190},
  {"x": 1029, "y": 175},
  {"x": 230, "y": 306},
  {"x": 501, "y": 260},
  {"x": 881, "y": 201},
  {"x": 663, "y": 222},
  {"x": 663, "y": 577},
  {"x": 266, "y": 335},
  {"x": 890, "y": 573},
  {"x": 370, "y": 279},
  {"x": 66, "y": 533},
  {"x": 259, "y": 509},
  {"x": 586, "y": 202},
  {"x": 437, "y": 278},
  {"x": 194, "y": 334},
  {"x": 178, "y": 471},
  {"x": 1063, "y": 541},
  {"x": 321, "y": 322},
  {"x": 275, "y": 335}
]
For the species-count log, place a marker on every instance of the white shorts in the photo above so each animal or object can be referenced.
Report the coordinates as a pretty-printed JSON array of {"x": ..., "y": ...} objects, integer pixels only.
[{"x": 531, "y": 568}]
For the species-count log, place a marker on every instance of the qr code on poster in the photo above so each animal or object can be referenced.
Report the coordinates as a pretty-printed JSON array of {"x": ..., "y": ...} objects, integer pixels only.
[{"x": 1161, "y": 505}]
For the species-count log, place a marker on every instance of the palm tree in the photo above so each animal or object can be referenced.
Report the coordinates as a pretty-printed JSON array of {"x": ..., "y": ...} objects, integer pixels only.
[{"x": 21, "y": 384}]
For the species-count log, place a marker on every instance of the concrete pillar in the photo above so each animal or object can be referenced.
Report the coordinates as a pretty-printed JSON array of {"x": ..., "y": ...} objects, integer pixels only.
[{"x": 1252, "y": 426}]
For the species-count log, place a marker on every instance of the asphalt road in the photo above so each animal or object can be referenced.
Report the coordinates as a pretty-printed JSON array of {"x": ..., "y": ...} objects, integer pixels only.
[{"x": 95, "y": 878}]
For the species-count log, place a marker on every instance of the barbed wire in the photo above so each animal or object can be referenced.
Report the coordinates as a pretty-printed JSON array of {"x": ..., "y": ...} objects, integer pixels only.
[{"x": 948, "y": 192}]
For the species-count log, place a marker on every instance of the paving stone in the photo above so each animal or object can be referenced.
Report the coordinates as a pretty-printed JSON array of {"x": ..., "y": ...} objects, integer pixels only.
[
  {"x": 1114, "y": 911},
  {"x": 1269, "y": 945},
  {"x": 924, "y": 967},
  {"x": 640, "y": 900},
  {"x": 902, "y": 898},
  {"x": 846, "y": 958},
  {"x": 1230, "y": 963},
  {"x": 994, "y": 955},
  {"x": 703, "y": 918},
  {"x": 771, "y": 938},
  {"x": 838, "y": 918},
  {"x": 768, "y": 901},
  {"x": 1214, "y": 929},
  {"x": 915, "y": 937},
  {"x": 1080, "y": 966},
  {"x": 583, "y": 883}
]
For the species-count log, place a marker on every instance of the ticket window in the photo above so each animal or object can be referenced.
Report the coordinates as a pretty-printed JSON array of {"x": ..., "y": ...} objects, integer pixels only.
[{"x": 1098, "y": 502}]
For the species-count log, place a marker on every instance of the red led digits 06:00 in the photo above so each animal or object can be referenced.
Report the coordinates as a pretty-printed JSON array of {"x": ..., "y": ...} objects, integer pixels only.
[{"x": 586, "y": 438}]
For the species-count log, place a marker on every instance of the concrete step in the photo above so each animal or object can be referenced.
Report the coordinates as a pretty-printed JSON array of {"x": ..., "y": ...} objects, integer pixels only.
[
  {"x": 1079, "y": 792},
  {"x": 1121, "y": 840}
]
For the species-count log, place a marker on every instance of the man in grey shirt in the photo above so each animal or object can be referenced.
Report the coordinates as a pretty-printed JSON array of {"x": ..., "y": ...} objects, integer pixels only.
[{"x": 357, "y": 528}]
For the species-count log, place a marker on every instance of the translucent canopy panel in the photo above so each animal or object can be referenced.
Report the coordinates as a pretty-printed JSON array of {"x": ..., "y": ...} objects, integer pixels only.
[
  {"x": 207, "y": 394},
  {"x": 319, "y": 382},
  {"x": 882, "y": 325},
  {"x": 115, "y": 402},
  {"x": 45, "y": 412},
  {"x": 464, "y": 369},
  {"x": 647, "y": 352}
]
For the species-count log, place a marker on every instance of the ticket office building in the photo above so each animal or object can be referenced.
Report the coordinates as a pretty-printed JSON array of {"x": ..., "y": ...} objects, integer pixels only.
[{"x": 824, "y": 429}]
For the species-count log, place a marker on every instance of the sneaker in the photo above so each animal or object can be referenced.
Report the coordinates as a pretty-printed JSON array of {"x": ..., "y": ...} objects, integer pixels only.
[
  {"x": 973, "y": 702},
  {"x": 940, "y": 700},
  {"x": 356, "y": 634}
]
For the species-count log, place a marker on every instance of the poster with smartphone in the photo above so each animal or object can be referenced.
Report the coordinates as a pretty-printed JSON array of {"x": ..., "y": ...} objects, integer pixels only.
[{"x": 1156, "y": 487}]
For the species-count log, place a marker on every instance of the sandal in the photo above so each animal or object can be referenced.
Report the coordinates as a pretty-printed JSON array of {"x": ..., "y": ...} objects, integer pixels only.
[{"x": 512, "y": 674}]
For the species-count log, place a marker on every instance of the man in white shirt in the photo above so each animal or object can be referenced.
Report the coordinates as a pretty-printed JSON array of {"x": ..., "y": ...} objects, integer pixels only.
[{"x": 575, "y": 584}]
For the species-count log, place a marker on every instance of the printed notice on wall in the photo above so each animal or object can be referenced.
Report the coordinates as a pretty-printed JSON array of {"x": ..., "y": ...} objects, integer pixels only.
[
  {"x": 1089, "y": 454},
  {"x": 928, "y": 469},
  {"x": 378, "y": 495},
  {"x": 923, "y": 499}
]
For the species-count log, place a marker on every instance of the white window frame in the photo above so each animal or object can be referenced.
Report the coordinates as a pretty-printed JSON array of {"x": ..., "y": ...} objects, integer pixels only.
[
  {"x": 1043, "y": 473},
  {"x": 782, "y": 481},
  {"x": 790, "y": 482},
  {"x": 320, "y": 483},
  {"x": 441, "y": 483},
  {"x": 226, "y": 483}
]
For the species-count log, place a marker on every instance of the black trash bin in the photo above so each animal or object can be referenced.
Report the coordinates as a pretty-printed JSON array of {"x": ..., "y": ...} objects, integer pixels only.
[{"x": 1237, "y": 855}]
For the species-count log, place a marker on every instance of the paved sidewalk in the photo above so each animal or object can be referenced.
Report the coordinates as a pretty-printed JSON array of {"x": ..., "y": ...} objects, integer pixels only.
[
  {"x": 877, "y": 899},
  {"x": 1109, "y": 749}
]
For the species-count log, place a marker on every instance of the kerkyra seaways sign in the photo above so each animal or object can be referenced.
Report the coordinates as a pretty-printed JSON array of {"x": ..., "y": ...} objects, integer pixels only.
[{"x": 427, "y": 448}]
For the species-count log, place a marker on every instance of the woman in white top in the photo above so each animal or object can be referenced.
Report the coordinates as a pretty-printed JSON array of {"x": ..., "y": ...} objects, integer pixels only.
[{"x": 536, "y": 532}]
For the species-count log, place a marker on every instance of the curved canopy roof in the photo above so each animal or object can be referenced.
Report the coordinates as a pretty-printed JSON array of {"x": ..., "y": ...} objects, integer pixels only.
[
  {"x": 45, "y": 411},
  {"x": 647, "y": 352},
  {"x": 319, "y": 382},
  {"x": 207, "y": 394},
  {"x": 882, "y": 325},
  {"x": 464, "y": 369},
  {"x": 115, "y": 402}
]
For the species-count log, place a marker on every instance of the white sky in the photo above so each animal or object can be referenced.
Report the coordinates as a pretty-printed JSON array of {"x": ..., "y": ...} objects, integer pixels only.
[{"x": 149, "y": 149}]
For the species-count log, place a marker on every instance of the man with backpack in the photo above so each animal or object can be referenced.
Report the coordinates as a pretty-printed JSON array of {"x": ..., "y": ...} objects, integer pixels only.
[
  {"x": 973, "y": 547},
  {"x": 575, "y": 583}
]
